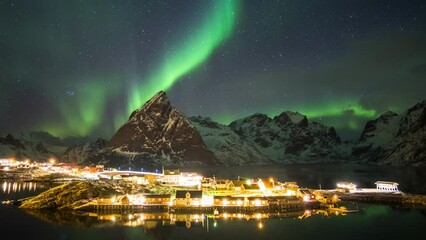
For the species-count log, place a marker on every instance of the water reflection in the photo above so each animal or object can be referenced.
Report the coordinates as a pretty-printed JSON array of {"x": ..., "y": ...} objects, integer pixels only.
[
  {"x": 16, "y": 187},
  {"x": 369, "y": 222},
  {"x": 155, "y": 220}
]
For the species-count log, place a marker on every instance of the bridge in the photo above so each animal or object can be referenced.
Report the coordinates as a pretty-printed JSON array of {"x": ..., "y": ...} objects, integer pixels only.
[{"x": 128, "y": 173}]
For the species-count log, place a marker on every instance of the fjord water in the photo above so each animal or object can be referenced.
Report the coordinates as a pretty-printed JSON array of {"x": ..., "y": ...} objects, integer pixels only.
[{"x": 370, "y": 222}]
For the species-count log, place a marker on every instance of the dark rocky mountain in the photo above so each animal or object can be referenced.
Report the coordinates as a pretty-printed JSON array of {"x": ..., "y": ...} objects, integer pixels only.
[
  {"x": 157, "y": 134},
  {"x": 395, "y": 140}
]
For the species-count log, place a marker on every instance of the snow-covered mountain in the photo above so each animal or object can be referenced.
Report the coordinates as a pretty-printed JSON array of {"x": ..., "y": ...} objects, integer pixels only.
[
  {"x": 228, "y": 147},
  {"x": 395, "y": 140},
  {"x": 289, "y": 137},
  {"x": 22, "y": 149},
  {"x": 82, "y": 154},
  {"x": 159, "y": 134}
]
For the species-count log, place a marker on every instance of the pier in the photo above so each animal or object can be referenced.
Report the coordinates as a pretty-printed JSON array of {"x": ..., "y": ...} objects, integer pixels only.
[{"x": 140, "y": 208}]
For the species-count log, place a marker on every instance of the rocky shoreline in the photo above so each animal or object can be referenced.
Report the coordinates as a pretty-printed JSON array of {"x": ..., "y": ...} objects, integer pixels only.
[{"x": 73, "y": 195}]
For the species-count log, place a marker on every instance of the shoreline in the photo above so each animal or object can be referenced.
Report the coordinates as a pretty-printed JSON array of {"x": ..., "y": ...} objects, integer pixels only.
[{"x": 402, "y": 199}]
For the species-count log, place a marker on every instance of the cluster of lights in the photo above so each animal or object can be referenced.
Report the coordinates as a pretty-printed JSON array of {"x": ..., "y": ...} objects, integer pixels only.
[{"x": 346, "y": 185}]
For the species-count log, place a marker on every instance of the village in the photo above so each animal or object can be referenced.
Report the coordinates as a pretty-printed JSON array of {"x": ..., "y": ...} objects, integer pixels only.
[{"x": 192, "y": 192}]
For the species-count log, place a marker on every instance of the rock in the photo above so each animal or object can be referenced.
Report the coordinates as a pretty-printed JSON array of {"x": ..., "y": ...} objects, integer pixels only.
[{"x": 72, "y": 195}]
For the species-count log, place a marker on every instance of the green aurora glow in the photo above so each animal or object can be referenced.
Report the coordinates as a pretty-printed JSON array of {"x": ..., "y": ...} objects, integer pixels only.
[
  {"x": 185, "y": 56},
  {"x": 323, "y": 110},
  {"x": 81, "y": 114},
  {"x": 82, "y": 75}
]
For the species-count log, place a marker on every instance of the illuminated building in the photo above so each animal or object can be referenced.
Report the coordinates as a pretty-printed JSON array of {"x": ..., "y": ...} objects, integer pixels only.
[
  {"x": 188, "y": 198},
  {"x": 387, "y": 186}
]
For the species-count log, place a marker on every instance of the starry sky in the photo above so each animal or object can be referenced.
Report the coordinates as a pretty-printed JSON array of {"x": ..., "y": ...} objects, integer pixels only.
[{"x": 79, "y": 68}]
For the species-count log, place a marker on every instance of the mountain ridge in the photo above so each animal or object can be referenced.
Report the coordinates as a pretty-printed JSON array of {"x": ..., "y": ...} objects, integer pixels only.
[{"x": 159, "y": 134}]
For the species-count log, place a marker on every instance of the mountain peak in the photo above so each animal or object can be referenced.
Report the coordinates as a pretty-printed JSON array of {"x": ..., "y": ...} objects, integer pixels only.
[
  {"x": 157, "y": 105},
  {"x": 291, "y": 118},
  {"x": 389, "y": 113},
  {"x": 158, "y": 98},
  {"x": 159, "y": 133}
]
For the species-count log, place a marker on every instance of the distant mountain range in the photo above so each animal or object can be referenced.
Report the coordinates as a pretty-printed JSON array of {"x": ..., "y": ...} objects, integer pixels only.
[
  {"x": 158, "y": 134},
  {"x": 22, "y": 149}
]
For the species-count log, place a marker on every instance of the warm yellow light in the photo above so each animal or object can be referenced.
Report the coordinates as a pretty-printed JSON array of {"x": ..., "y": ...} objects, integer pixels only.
[
  {"x": 260, "y": 225},
  {"x": 52, "y": 161}
]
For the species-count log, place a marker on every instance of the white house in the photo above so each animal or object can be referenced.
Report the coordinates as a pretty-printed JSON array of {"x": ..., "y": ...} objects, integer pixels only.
[{"x": 387, "y": 186}]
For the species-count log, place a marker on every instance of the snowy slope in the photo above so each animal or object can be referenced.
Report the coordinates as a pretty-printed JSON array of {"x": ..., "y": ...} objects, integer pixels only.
[
  {"x": 258, "y": 138},
  {"x": 395, "y": 140},
  {"x": 82, "y": 154},
  {"x": 228, "y": 147}
]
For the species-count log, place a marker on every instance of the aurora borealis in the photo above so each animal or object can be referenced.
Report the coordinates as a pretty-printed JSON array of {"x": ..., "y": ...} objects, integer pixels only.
[
  {"x": 196, "y": 47},
  {"x": 79, "y": 68}
]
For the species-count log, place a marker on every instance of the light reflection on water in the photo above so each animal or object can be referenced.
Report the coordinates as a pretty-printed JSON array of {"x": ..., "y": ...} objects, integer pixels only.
[
  {"x": 187, "y": 220},
  {"x": 16, "y": 187},
  {"x": 370, "y": 222}
]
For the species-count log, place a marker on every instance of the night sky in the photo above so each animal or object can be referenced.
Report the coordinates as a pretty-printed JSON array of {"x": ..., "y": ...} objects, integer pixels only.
[{"x": 79, "y": 68}]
